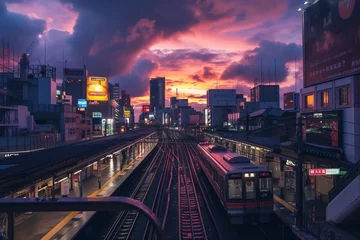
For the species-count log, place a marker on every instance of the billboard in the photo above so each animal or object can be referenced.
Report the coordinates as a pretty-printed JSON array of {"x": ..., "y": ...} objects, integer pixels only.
[
  {"x": 127, "y": 113},
  {"x": 322, "y": 128},
  {"x": 145, "y": 108},
  {"x": 82, "y": 103},
  {"x": 331, "y": 40},
  {"x": 97, "y": 89}
]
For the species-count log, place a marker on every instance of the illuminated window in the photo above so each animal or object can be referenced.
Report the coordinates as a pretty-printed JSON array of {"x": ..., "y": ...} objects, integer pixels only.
[
  {"x": 309, "y": 101},
  {"x": 344, "y": 97},
  {"x": 325, "y": 99}
]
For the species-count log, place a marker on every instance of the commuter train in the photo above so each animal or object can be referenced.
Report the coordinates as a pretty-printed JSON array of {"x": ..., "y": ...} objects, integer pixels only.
[{"x": 244, "y": 188}]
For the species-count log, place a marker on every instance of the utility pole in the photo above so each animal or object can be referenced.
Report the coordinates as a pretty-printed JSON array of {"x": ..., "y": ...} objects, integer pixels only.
[
  {"x": 299, "y": 177},
  {"x": 247, "y": 123}
]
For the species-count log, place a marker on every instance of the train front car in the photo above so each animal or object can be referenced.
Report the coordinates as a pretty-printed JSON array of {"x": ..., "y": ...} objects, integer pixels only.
[
  {"x": 246, "y": 188},
  {"x": 250, "y": 197}
]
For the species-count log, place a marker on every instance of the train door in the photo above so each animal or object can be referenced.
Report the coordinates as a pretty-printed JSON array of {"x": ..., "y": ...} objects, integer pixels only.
[{"x": 250, "y": 198}]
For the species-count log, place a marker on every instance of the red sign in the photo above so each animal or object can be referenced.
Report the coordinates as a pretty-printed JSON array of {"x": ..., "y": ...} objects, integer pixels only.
[
  {"x": 145, "y": 108},
  {"x": 317, "y": 172}
]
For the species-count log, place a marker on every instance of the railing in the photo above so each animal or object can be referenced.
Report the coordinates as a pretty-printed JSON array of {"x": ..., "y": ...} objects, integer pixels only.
[{"x": 345, "y": 181}]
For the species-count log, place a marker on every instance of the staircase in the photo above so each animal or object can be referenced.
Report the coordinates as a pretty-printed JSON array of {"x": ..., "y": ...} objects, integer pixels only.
[{"x": 344, "y": 198}]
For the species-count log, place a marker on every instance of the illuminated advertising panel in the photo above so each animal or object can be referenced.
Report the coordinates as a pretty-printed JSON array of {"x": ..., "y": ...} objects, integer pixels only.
[
  {"x": 331, "y": 40},
  {"x": 324, "y": 171},
  {"x": 145, "y": 108},
  {"x": 127, "y": 113},
  {"x": 97, "y": 89},
  {"x": 82, "y": 103},
  {"x": 322, "y": 128},
  {"x": 289, "y": 100}
]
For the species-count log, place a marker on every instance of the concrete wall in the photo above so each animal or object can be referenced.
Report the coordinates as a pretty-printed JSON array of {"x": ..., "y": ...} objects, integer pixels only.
[{"x": 349, "y": 126}]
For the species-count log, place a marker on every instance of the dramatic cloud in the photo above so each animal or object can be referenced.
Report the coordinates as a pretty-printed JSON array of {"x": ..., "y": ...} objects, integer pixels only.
[
  {"x": 136, "y": 83},
  {"x": 249, "y": 67},
  {"x": 18, "y": 29},
  {"x": 209, "y": 73}
]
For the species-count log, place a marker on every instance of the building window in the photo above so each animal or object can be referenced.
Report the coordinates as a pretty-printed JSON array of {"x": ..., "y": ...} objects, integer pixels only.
[
  {"x": 309, "y": 101},
  {"x": 325, "y": 99},
  {"x": 344, "y": 97}
]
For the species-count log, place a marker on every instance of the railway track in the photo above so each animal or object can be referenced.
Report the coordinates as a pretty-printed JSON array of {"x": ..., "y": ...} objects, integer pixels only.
[
  {"x": 124, "y": 222},
  {"x": 191, "y": 223}
]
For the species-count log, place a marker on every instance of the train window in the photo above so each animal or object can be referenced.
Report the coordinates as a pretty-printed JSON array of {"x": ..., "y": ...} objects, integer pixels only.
[
  {"x": 235, "y": 189},
  {"x": 250, "y": 189},
  {"x": 265, "y": 185}
]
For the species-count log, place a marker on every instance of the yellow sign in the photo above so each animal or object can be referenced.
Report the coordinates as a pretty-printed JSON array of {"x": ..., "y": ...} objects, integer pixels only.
[
  {"x": 126, "y": 113},
  {"x": 97, "y": 89}
]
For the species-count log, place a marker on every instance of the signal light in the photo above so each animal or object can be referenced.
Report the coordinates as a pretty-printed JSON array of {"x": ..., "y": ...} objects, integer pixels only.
[{"x": 264, "y": 174}]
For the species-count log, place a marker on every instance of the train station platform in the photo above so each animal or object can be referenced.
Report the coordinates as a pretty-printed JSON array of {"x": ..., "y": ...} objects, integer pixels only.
[
  {"x": 20, "y": 172},
  {"x": 59, "y": 225},
  {"x": 257, "y": 149}
]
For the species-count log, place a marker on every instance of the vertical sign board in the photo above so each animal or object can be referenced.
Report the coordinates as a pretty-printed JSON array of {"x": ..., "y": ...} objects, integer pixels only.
[{"x": 65, "y": 187}]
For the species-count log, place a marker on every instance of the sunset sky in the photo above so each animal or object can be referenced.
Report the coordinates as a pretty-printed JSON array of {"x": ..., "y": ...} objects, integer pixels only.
[{"x": 195, "y": 44}]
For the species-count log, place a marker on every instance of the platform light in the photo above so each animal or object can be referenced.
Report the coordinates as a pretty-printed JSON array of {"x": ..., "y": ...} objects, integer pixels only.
[
  {"x": 77, "y": 172},
  {"x": 305, "y": 3},
  {"x": 299, "y": 9},
  {"x": 61, "y": 180},
  {"x": 42, "y": 188}
]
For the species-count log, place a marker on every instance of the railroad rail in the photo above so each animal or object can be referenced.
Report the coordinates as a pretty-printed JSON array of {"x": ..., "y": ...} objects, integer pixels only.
[
  {"x": 191, "y": 223},
  {"x": 125, "y": 221}
]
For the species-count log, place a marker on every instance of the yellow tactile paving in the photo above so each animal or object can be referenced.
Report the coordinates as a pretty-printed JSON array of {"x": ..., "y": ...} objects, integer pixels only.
[{"x": 71, "y": 215}]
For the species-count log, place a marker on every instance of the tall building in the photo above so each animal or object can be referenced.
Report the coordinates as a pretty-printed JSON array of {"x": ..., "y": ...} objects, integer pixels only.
[
  {"x": 157, "y": 93},
  {"x": 74, "y": 83},
  {"x": 125, "y": 100},
  {"x": 220, "y": 102},
  {"x": 114, "y": 91}
]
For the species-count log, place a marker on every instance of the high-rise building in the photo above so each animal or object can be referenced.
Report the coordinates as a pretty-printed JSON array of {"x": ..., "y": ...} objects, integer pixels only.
[
  {"x": 157, "y": 93},
  {"x": 74, "y": 83},
  {"x": 125, "y": 100},
  {"x": 114, "y": 91}
]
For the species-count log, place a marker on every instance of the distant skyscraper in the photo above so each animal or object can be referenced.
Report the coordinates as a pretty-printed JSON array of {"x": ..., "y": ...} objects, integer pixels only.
[
  {"x": 114, "y": 91},
  {"x": 125, "y": 101},
  {"x": 157, "y": 93}
]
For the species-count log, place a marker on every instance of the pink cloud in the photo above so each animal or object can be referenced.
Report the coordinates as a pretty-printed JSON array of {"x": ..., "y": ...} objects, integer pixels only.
[{"x": 57, "y": 16}]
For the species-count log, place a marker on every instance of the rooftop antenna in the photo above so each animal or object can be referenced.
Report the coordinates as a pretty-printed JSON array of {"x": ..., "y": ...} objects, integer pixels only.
[
  {"x": 295, "y": 74},
  {"x": 275, "y": 70},
  {"x": 176, "y": 93},
  {"x": 261, "y": 76}
]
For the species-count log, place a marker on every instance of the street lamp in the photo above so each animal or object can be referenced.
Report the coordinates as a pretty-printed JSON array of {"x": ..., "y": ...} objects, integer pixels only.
[{"x": 40, "y": 36}]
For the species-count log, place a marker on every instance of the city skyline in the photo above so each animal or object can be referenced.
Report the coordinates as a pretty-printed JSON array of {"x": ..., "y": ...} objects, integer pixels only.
[{"x": 217, "y": 45}]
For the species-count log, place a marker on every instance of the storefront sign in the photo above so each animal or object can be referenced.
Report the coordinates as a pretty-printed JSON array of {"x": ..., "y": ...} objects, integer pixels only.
[
  {"x": 290, "y": 163},
  {"x": 325, "y": 171}
]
